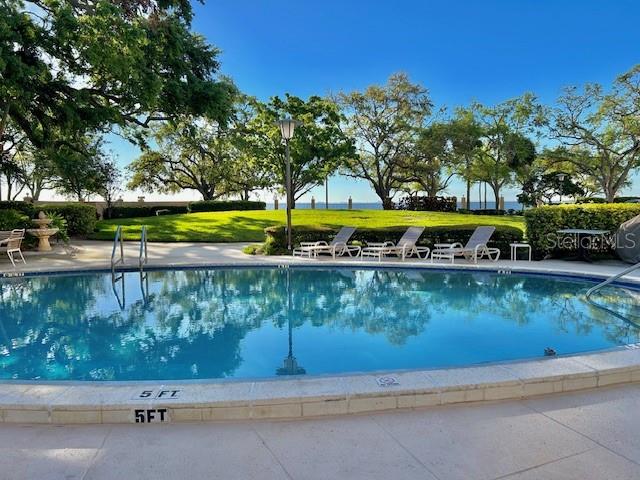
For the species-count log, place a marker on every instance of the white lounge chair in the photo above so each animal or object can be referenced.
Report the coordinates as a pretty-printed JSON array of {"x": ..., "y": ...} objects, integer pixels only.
[
  {"x": 338, "y": 246},
  {"x": 12, "y": 245},
  {"x": 406, "y": 246},
  {"x": 475, "y": 248}
]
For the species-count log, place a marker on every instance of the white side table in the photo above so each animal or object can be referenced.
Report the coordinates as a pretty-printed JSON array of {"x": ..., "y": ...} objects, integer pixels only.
[{"x": 516, "y": 246}]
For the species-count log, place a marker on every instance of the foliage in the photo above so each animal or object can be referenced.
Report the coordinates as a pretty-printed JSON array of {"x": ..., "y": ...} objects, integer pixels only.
[
  {"x": 544, "y": 222},
  {"x": 429, "y": 163},
  {"x": 465, "y": 134},
  {"x": 79, "y": 67},
  {"x": 10, "y": 219},
  {"x": 539, "y": 188},
  {"x": 227, "y": 205},
  {"x": 600, "y": 132},
  {"x": 433, "y": 204},
  {"x": 192, "y": 154},
  {"x": 505, "y": 147},
  {"x": 59, "y": 222},
  {"x": 145, "y": 211},
  {"x": 24, "y": 207},
  {"x": 81, "y": 218},
  {"x": 248, "y": 226},
  {"x": 276, "y": 241},
  {"x": 384, "y": 121},
  {"x": 318, "y": 146}
]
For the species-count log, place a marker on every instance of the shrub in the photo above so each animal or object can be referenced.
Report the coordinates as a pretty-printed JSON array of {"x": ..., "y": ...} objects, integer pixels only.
[
  {"x": 226, "y": 205},
  {"x": 144, "y": 211},
  {"x": 544, "y": 222},
  {"x": 431, "y": 204},
  {"x": 59, "y": 222},
  {"x": 10, "y": 219},
  {"x": 590, "y": 200},
  {"x": 24, "y": 207},
  {"x": 276, "y": 241},
  {"x": 81, "y": 218}
]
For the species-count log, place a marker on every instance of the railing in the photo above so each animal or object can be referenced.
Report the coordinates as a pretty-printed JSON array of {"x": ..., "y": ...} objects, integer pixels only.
[
  {"x": 606, "y": 282},
  {"x": 117, "y": 241},
  {"x": 143, "y": 258}
]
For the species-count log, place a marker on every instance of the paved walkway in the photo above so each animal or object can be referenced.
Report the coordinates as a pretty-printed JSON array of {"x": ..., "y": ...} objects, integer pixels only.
[{"x": 590, "y": 435}]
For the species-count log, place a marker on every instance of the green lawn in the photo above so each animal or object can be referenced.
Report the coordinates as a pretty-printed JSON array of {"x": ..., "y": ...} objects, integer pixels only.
[{"x": 248, "y": 226}]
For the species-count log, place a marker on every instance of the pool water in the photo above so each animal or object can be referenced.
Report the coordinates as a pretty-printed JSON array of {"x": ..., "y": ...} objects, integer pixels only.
[{"x": 265, "y": 322}]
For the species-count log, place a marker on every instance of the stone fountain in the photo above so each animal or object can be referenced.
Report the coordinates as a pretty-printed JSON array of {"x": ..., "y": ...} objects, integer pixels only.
[{"x": 43, "y": 232}]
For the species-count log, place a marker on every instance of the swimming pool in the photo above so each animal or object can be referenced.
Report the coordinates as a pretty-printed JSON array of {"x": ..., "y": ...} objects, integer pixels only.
[{"x": 246, "y": 323}]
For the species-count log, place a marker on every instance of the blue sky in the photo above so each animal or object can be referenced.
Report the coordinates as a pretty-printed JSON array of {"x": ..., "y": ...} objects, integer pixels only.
[{"x": 460, "y": 50}]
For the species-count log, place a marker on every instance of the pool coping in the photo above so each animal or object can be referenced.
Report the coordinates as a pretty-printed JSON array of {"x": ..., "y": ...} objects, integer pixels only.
[{"x": 301, "y": 397}]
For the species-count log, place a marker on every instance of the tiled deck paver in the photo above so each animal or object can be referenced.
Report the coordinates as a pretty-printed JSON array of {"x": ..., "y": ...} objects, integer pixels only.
[{"x": 590, "y": 435}]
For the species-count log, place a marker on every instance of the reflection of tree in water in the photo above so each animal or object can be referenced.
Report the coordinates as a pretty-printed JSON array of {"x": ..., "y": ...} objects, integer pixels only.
[{"x": 194, "y": 321}]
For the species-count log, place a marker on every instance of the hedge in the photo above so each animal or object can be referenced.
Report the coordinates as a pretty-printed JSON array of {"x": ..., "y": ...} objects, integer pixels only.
[
  {"x": 81, "y": 218},
  {"x": 276, "y": 241},
  {"x": 10, "y": 219},
  {"x": 24, "y": 207},
  {"x": 430, "y": 204},
  {"x": 544, "y": 222},
  {"x": 226, "y": 205},
  {"x": 144, "y": 211}
]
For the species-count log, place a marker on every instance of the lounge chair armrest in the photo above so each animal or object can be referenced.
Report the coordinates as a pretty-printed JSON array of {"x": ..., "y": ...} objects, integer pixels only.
[
  {"x": 312, "y": 244},
  {"x": 480, "y": 246},
  {"x": 380, "y": 244},
  {"x": 447, "y": 245}
]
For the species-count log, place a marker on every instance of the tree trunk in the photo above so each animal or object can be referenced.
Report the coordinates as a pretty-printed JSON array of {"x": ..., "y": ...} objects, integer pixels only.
[
  {"x": 387, "y": 203},
  {"x": 468, "y": 205}
]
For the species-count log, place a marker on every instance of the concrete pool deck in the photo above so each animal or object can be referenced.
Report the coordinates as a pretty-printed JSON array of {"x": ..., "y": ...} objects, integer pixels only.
[
  {"x": 590, "y": 435},
  {"x": 149, "y": 402}
]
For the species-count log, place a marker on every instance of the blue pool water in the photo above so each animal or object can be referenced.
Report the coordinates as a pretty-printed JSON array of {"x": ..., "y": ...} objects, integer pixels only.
[{"x": 248, "y": 323}]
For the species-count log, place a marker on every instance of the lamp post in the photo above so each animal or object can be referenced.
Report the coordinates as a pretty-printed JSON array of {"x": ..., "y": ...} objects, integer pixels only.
[
  {"x": 561, "y": 177},
  {"x": 287, "y": 126}
]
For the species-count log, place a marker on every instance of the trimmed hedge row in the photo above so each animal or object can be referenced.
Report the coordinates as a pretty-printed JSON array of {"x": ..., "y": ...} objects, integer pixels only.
[
  {"x": 81, "y": 218},
  {"x": 225, "y": 205},
  {"x": 145, "y": 211},
  {"x": 544, "y": 222},
  {"x": 430, "y": 204},
  {"x": 276, "y": 241},
  {"x": 10, "y": 219},
  {"x": 24, "y": 207}
]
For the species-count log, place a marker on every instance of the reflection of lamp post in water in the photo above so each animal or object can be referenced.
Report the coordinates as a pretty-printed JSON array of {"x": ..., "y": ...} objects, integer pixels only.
[{"x": 290, "y": 366}]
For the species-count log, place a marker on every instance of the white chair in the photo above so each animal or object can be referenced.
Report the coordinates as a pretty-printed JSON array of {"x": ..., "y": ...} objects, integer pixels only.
[
  {"x": 338, "y": 246},
  {"x": 406, "y": 246},
  {"x": 12, "y": 245},
  {"x": 475, "y": 248}
]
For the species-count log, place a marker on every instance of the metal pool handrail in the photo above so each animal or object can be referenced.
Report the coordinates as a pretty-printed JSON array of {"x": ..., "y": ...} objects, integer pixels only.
[
  {"x": 117, "y": 240},
  {"x": 606, "y": 282},
  {"x": 143, "y": 258}
]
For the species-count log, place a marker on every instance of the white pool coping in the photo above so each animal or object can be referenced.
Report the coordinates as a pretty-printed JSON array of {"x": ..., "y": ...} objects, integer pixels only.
[{"x": 314, "y": 396}]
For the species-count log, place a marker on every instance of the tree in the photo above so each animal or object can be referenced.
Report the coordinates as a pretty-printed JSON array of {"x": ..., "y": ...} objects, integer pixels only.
[
  {"x": 318, "y": 147},
  {"x": 36, "y": 171},
  {"x": 109, "y": 183},
  {"x": 78, "y": 169},
  {"x": 77, "y": 67},
  {"x": 505, "y": 148},
  {"x": 465, "y": 135},
  {"x": 384, "y": 121},
  {"x": 191, "y": 154},
  {"x": 600, "y": 132},
  {"x": 429, "y": 163},
  {"x": 541, "y": 187}
]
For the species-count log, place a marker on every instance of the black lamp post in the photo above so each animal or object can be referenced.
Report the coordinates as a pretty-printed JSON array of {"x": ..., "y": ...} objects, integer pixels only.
[
  {"x": 561, "y": 177},
  {"x": 287, "y": 127}
]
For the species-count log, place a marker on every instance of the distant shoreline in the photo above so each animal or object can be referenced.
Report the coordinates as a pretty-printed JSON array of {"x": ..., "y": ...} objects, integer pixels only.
[{"x": 378, "y": 206}]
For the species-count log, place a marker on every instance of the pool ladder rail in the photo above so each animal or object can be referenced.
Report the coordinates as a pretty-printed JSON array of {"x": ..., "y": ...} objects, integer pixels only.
[
  {"x": 117, "y": 253},
  {"x": 606, "y": 282}
]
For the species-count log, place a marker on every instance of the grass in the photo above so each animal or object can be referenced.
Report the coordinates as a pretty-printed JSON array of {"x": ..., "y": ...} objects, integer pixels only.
[{"x": 248, "y": 226}]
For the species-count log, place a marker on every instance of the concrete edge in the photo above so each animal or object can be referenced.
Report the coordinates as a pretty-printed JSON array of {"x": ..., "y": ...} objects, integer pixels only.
[{"x": 314, "y": 397}]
